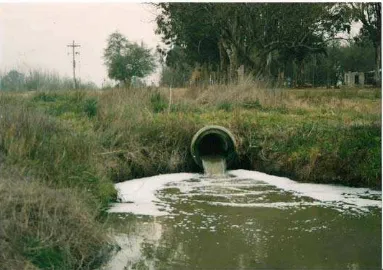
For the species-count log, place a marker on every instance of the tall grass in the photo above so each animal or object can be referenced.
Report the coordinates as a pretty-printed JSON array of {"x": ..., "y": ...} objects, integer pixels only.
[
  {"x": 137, "y": 140},
  {"x": 51, "y": 148},
  {"x": 49, "y": 214},
  {"x": 47, "y": 228}
]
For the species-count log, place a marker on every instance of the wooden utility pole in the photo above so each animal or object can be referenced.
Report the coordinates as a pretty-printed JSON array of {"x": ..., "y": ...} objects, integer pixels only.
[{"x": 74, "y": 46}]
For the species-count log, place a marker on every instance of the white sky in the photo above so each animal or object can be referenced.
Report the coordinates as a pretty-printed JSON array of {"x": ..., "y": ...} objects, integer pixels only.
[{"x": 35, "y": 35}]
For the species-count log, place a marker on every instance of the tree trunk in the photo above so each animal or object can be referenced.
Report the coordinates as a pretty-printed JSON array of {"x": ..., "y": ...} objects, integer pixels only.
[
  {"x": 268, "y": 66},
  {"x": 300, "y": 77},
  {"x": 233, "y": 63},
  {"x": 378, "y": 44},
  {"x": 127, "y": 83},
  {"x": 281, "y": 75},
  {"x": 378, "y": 56},
  {"x": 223, "y": 62},
  {"x": 232, "y": 54}
]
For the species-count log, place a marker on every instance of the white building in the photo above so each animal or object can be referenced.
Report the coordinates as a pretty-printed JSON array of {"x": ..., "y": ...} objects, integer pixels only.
[{"x": 354, "y": 78}]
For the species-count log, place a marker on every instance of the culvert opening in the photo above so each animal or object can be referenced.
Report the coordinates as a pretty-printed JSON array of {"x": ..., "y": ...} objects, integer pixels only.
[
  {"x": 212, "y": 145},
  {"x": 213, "y": 149}
]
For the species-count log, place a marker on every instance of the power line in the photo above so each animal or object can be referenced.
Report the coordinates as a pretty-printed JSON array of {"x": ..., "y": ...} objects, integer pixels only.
[{"x": 74, "y": 46}]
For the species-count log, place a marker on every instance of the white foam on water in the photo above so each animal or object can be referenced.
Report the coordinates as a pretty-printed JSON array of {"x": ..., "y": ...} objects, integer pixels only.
[
  {"x": 228, "y": 195},
  {"x": 143, "y": 208},
  {"x": 278, "y": 205},
  {"x": 139, "y": 196},
  {"x": 320, "y": 192}
]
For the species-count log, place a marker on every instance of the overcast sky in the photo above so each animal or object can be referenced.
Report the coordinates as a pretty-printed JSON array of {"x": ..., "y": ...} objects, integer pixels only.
[{"x": 36, "y": 35}]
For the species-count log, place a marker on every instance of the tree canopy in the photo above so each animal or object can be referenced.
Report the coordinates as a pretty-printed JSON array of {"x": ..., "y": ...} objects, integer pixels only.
[
  {"x": 256, "y": 35},
  {"x": 369, "y": 14},
  {"x": 12, "y": 81},
  {"x": 125, "y": 60}
]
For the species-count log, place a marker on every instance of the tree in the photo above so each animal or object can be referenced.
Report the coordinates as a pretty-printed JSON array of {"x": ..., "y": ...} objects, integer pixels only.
[
  {"x": 13, "y": 81},
  {"x": 251, "y": 34},
  {"x": 370, "y": 16},
  {"x": 126, "y": 60},
  {"x": 187, "y": 28},
  {"x": 176, "y": 71}
]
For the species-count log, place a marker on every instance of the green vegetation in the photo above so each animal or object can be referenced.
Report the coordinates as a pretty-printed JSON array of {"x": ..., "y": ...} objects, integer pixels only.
[
  {"x": 87, "y": 139},
  {"x": 310, "y": 135},
  {"x": 38, "y": 80},
  {"x": 71, "y": 146},
  {"x": 291, "y": 44},
  {"x": 126, "y": 61},
  {"x": 50, "y": 214}
]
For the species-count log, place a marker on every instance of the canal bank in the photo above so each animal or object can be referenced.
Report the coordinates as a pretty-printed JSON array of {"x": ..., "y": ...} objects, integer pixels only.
[{"x": 81, "y": 142}]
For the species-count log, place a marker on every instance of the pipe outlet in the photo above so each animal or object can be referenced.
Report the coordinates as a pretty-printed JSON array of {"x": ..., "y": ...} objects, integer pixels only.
[{"x": 213, "y": 141}]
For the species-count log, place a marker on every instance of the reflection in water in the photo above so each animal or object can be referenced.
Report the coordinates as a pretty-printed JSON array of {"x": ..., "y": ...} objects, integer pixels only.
[
  {"x": 132, "y": 236},
  {"x": 241, "y": 223}
]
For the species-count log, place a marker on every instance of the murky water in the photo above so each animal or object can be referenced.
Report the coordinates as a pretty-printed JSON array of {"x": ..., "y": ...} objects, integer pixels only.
[
  {"x": 214, "y": 166},
  {"x": 249, "y": 220}
]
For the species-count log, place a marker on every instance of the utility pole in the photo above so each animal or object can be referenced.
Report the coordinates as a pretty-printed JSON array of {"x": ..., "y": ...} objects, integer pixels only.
[{"x": 74, "y": 46}]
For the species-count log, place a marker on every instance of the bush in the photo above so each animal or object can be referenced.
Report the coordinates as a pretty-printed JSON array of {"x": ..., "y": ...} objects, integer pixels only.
[
  {"x": 159, "y": 103},
  {"x": 90, "y": 107},
  {"x": 226, "y": 106},
  {"x": 45, "y": 97}
]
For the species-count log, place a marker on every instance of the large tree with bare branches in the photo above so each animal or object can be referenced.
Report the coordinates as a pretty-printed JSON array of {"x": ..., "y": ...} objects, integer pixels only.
[
  {"x": 252, "y": 34},
  {"x": 369, "y": 14}
]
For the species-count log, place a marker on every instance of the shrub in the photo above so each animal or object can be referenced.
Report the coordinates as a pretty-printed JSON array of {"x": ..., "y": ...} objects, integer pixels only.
[
  {"x": 90, "y": 107},
  {"x": 226, "y": 106},
  {"x": 45, "y": 97},
  {"x": 158, "y": 102}
]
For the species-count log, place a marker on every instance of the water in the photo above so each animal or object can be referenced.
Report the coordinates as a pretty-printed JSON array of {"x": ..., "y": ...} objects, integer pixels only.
[
  {"x": 244, "y": 220},
  {"x": 214, "y": 166}
]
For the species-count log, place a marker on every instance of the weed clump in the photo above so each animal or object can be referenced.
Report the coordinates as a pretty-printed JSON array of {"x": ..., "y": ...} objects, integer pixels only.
[
  {"x": 158, "y": 102},
  {"x": 57, "y": 104}
]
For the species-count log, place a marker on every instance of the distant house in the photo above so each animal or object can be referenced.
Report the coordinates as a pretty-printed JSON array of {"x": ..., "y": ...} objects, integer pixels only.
[
  {"x": 360, "y": 78},
  {"x": 354, "y": 78}
]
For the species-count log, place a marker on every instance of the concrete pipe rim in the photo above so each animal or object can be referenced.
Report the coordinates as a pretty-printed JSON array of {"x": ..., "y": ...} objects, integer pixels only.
[{"x": 221, "y": 133}]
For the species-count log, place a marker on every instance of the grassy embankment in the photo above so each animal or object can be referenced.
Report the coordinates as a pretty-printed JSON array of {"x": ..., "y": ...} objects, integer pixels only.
[
  {"x": 76, "y": 144},
  {"x": 52, "y": 189}
]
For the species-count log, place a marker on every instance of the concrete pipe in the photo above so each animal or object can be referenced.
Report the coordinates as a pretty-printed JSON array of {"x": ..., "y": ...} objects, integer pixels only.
[{"x": 213, "y": 141}]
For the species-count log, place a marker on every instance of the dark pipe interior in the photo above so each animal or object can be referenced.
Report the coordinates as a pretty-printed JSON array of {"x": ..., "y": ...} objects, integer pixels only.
[{"x": 212, "y": 145}]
